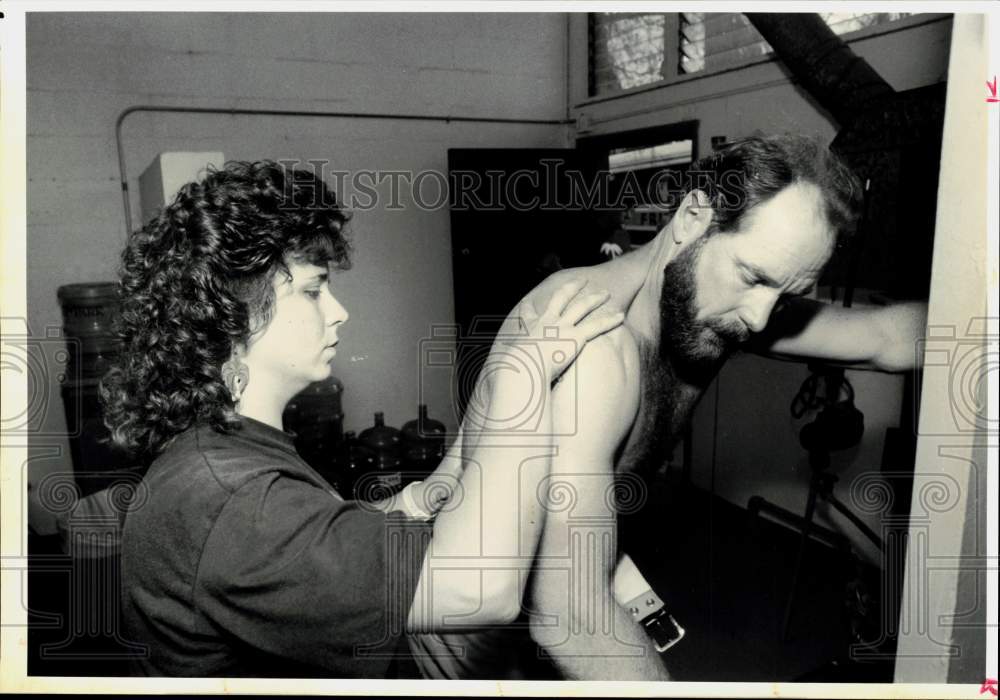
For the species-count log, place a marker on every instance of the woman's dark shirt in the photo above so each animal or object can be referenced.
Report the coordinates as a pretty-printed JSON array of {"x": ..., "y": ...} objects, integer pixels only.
[{"x": 238, "y": 559}]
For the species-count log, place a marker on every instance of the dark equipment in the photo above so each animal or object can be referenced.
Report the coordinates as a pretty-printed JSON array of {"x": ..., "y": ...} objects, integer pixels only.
[
  {"x": 891, "y": 138},
  {"x": 89, "y": 310},
  {"x": 839, "y": 426}
]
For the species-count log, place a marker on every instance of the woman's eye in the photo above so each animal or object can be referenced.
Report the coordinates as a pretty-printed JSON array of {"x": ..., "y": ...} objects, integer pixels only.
[{"x": 313, "y": 293}]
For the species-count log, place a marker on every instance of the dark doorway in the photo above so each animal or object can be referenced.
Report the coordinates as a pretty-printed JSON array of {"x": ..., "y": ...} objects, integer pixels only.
[{"x": 517, "y": 216}]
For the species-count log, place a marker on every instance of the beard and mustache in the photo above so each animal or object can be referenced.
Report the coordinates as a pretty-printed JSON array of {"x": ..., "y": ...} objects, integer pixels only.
[
  {"x": 678, "y": 365},
  {"x": 694, "y": 350}
]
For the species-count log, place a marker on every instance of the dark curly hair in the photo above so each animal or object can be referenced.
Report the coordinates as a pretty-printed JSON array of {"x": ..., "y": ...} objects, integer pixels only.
[
  {"x": 748, "y": 172},
  {"x": 196, "y": 281}
]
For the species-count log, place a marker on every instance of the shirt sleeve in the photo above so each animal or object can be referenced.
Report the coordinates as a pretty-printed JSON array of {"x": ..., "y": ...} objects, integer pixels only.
[{"x": 294, "y": 571}]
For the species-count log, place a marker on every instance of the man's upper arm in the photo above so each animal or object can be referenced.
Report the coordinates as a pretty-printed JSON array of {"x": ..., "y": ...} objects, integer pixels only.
[
  {"x": 571, "y": 627},
  {"x": 600, "y": 396}
]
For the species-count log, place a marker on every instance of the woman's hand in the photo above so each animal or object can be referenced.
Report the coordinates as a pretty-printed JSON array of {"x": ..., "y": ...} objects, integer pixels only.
[
  {"x": 531, "y": 352},
  {"x": 569, "y": 321}
]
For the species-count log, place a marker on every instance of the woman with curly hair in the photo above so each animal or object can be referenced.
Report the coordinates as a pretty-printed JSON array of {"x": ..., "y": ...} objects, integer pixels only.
[{"x": 243, "y": 561}]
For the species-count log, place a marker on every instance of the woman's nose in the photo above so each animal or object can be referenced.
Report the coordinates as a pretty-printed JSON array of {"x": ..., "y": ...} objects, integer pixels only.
[{"x": 337, "y": 313}]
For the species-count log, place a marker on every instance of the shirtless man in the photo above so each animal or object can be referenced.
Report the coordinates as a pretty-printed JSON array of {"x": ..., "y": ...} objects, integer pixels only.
[{"x": 749, "y": 239}]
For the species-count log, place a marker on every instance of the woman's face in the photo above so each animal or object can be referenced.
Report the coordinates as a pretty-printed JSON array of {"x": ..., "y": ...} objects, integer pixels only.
[{"x": 297, "y": 345}]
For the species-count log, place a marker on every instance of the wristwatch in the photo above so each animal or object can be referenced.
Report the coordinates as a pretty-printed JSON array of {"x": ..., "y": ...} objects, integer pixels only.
[{"x": 650, "y": 611}]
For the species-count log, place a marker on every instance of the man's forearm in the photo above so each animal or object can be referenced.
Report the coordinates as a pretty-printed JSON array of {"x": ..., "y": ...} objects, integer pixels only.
[
  {"x": 574, "y": 614},
  {"x": 582, "y": 648},
  {"x": 624, "y": 654},
  {"x": 871, "y": 337}
]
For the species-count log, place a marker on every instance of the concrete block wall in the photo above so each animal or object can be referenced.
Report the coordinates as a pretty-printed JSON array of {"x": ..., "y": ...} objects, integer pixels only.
[{"x": 83, "y": 69}]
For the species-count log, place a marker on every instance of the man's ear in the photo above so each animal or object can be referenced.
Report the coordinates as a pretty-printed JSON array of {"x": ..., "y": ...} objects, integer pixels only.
[{"x": 694, "y": 217}]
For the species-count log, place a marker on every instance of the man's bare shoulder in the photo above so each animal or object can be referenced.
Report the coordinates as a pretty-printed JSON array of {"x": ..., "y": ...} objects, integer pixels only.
[
  {"x": 605, "y": 386},
  {"x": 540, "y": 295},
  {"x": 620, "y": 277},
  {"x": 614, "y": 355}
]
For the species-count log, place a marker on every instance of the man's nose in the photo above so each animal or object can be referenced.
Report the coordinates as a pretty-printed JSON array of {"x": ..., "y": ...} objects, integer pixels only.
[{"x": 757, "y": 313}]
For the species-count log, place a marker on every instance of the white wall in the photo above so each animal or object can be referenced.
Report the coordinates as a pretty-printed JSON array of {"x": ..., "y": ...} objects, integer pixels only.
[
  {"x": 84, "y": 69},
  {"x": 944, "y": 633},
  {"x": 753, "y": 448}
]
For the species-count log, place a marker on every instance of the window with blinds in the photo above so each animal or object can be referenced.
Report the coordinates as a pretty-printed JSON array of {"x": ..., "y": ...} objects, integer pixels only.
[
  {"x": 717, "y": 40},
  {"x": 631, "y": 49},
  {"x": 709, "y": 41}
]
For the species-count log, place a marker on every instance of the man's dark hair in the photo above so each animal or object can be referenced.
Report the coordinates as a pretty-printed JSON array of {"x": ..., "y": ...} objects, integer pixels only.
[
  {"x": 198, "y": 279},
  {"x": 748, "y": 172}
]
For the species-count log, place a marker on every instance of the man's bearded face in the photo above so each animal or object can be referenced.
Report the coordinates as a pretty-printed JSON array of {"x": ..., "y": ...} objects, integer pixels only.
[
  {"x": 695, "y": 348},
  {"x": 724, "y": 285}
]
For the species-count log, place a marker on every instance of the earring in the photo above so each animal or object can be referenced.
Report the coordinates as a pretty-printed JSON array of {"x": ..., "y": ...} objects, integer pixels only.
[{"x": 236, "y": 376}]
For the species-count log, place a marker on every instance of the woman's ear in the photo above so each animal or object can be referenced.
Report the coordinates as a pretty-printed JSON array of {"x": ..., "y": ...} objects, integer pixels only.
[
  {"x": 693, "y": 218},
  {"x": 239, "y": 351}
]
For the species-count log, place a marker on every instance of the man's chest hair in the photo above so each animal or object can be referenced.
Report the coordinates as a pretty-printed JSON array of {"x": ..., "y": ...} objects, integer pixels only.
[{"x": 665, "y": 409}]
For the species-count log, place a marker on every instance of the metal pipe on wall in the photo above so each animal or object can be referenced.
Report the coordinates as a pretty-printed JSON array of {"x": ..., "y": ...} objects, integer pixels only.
[{"x": 293, "y": 113}]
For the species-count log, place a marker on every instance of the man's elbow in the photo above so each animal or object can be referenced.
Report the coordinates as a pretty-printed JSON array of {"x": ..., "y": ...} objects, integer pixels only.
[
  {"x": 553, "y": 618},
  {"x": 500, "y": 603},
  {"x": 548, "y": 631},
  {"x": 897, "y": 360},
  {"x": 902, "y": 328},
  {"x": 505, "y": 611}
]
